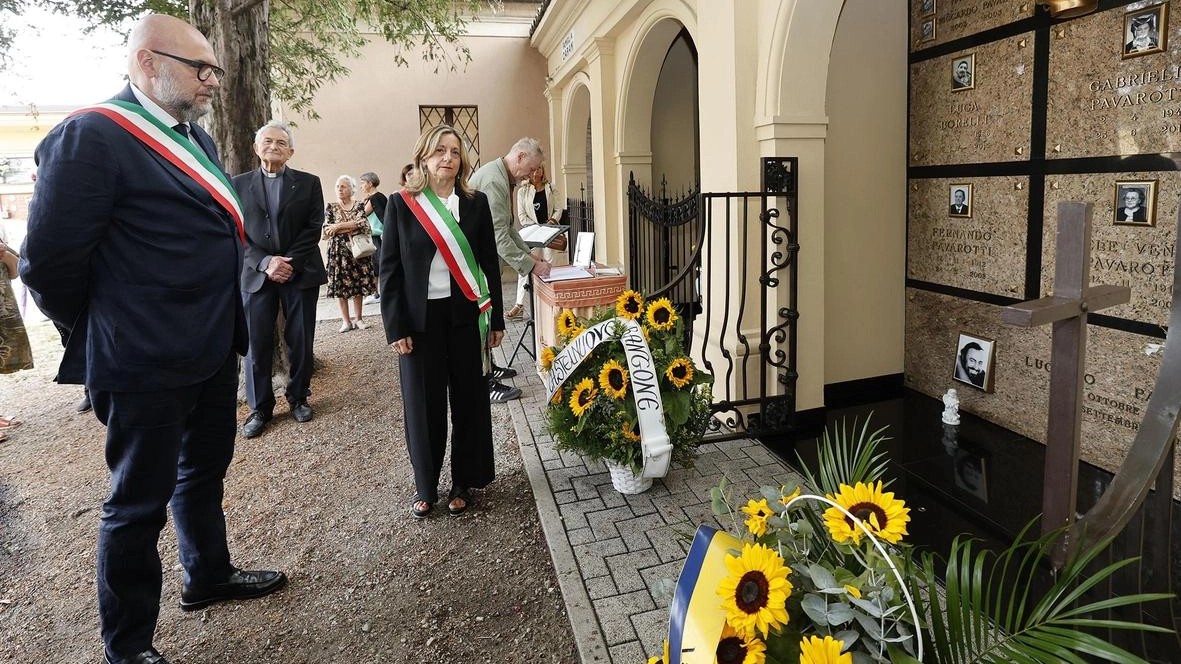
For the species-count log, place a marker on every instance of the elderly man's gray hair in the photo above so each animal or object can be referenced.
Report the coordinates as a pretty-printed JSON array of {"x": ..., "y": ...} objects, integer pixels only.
[
  {"x": 530, "y": 146},
  {"x": 277, "y": 124}
]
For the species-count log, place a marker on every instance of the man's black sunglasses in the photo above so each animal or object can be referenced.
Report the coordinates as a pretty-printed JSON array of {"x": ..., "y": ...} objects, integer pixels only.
[{"x": 204, "y": 69}]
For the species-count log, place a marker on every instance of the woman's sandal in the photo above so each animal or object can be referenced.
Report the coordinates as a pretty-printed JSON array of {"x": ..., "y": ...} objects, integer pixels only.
[
  {"x": 420, "y": 513},
  {"x": 9, "y": 422},
  {"x": 515, "y": 312},
  {"x": 465, "y": 501}
]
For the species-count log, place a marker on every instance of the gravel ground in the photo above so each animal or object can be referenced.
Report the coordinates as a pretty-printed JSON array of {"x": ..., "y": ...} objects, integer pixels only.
[{"x": 325, "y": 501}]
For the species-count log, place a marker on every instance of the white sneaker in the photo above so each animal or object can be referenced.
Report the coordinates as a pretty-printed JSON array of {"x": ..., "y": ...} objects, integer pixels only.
[
  {"x": 361, "y": 325},
  {"x": 345, "y": 327},
  {"x": 372, "y": 299}
]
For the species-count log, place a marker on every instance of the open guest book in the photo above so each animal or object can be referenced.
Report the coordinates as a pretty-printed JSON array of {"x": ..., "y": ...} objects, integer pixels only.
[{"x": 540, "y": 235}]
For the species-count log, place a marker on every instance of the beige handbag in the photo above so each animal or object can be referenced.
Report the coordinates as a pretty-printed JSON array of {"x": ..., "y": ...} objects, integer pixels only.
[{"x": 361, "y": 244}]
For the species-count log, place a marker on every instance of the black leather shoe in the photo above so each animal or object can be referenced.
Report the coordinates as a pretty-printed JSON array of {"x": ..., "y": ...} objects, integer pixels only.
[
  {"x": 255, "y": 424},
  {"x": 84, "y": 405},
  {"x": 241, "y": 585},
  {"x": 302, "y": 412},
  {"x": 149, "y": 656}
]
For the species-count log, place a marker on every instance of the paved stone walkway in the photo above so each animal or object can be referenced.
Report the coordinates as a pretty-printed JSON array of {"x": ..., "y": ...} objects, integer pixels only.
[{"x": 617, "y": 556}]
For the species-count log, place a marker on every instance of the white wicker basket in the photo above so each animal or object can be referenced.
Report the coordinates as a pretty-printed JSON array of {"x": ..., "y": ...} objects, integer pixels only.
[{"x": 625, "y": 480}]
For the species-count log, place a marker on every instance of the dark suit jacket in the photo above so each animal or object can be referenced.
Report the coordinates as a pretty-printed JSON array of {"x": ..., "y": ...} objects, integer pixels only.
[
  {"x": 301, "y": 214},
  {"x": 957, "y": 209},
  {"x": 132, "y": 257},
  {"x": 406, "y": 255},
  {"x": 1138, "y": 215}
]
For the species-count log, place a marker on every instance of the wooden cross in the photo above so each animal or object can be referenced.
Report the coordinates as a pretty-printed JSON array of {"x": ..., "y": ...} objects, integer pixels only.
[{"x": 1067, "y": 308}]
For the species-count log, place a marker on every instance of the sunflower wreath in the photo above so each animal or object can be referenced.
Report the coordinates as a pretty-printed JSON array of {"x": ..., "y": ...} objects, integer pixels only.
[
  {"x": 828, "y": 578},
  {"x": 594, "y": 412}
]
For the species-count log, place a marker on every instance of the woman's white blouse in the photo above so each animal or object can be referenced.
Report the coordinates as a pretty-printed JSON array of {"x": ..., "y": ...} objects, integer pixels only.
[{"x": 439, "y": 284}]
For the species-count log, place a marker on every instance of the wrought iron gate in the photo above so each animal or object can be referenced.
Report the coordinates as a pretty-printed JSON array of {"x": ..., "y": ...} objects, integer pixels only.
[{"x": 727, "y": 261}]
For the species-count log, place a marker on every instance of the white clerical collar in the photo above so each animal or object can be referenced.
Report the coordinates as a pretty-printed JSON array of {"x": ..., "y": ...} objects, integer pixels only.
[
  {"x": 267, "y": 174},
  {"x": 153, "y": 108}
]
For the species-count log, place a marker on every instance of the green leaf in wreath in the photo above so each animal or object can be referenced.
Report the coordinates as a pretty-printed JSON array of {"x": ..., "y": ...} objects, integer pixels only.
[{"x": 676, "y": 407}]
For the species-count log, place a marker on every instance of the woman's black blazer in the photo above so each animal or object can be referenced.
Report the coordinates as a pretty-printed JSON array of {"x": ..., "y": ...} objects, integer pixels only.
[{"x": 406, "y": 255}]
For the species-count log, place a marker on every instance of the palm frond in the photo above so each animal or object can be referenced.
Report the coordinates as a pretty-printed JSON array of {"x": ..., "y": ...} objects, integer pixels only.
[
  {"x": 984, "y": 616},
  {"x": 847, "y": 456}
]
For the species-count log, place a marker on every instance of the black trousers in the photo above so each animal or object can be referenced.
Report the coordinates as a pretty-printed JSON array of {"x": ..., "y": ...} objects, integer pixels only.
[
  {"x": 299, "y": 306},
  {"x": 165, "y": 448},
  {"x": 445, "y": 367}
]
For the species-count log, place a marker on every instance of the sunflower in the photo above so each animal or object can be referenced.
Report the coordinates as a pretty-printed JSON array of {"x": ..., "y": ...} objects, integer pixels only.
[
  {"x": 883, "y": 515},
  {"x": 583, "y": 396},
  {"x": 661, "y": 315},
  {"x": 785, "y": 499},
  {"x": 575, "y": 331},
  {"x": 629, "y": 432},
  {"x": 733, "y": 649},
  {"x": 680, "y": 372},
  {"x": 758, "y": 512},
  {"x": 566, "y": 323},
  {"x": 547, "y": 357},
  {"x": 613, "y": 379},
  {"x": 756, "y": 590},
  {"x": 629, "y": 305},
  {"x": 557, "y": 398},
  {"x": 813, "y": 650}
]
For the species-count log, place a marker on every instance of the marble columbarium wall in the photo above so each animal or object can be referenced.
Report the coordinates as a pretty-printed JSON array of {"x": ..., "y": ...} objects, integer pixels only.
[{"x": 1049, "y": 111}]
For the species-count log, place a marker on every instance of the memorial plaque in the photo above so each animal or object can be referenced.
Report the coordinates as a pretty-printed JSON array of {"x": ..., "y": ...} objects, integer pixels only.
[
  {"x": 974, "y": 105},
  {"x": 1137, "y": 255},
  {"x": 978, "y": 246},
  {"x": 1120, "y": 373},
  {"x": 1107, "y": 96},
  {"x": 952, "y": 19}
]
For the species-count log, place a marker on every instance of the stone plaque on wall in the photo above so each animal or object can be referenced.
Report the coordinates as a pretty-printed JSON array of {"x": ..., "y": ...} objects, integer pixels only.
[
  {"x": 1138, "y": 254},
  {"x": 973, "y": 105},
  {"x": 978, "y": 244},
  {"x": 1107, "y": 96},
  {"x": 938, "y": 21},
  {"x": 1119, "y": 377}
]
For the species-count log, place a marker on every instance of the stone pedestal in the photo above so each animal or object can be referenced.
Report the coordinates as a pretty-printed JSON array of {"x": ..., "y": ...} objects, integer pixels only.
[{"x": 582, "y": 296}]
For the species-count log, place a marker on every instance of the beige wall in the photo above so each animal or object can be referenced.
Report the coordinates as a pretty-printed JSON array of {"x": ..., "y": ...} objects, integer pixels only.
[
  {"x": 674, "y": 136},
  {"x": 369, "y": 121},
  {"x": 865, "y": 192}
]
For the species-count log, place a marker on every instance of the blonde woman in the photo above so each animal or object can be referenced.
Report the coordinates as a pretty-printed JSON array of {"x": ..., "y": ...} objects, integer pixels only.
[
  {"x": 537, "y": 203},
  {"x": 431, "y": 307}
]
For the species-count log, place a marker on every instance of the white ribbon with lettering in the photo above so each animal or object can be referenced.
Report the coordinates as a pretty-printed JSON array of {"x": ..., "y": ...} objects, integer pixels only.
[{"x": 645, "y": 383}]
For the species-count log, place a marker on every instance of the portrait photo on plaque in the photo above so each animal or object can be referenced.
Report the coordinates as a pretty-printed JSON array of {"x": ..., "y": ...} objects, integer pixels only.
[
  {"x": 1135, "y": 203},
  {"x": 926, "y": 7},
  {"x": 1146, "y": 31},
  {"x": 959, "y": 200},
  {"x": 927, "y": 30},
  {"x": 963, "y": 73},
  {"x": 971, "y": 473},
  {"x": 974, "y": 360}
]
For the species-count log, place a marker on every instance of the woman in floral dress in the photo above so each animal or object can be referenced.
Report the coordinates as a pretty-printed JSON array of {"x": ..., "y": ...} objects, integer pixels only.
[{"x": 348, "y": 278}]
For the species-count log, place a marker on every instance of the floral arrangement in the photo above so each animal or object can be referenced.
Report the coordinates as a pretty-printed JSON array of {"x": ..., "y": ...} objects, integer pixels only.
[
  {"x": 594, "y": 412},
  {"x": 829, "y": 580}
]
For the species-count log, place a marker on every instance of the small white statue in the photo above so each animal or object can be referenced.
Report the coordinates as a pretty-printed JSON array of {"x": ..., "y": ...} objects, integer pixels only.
[{"x": 951, "y": 407}]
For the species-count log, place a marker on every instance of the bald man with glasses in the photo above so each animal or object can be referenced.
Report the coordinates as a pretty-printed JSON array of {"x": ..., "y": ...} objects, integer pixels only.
[{"x": 134, "y": 248}]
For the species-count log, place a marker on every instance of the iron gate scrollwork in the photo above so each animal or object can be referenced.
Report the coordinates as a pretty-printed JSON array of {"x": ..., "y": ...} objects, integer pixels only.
[{"x": 728, "y": 262}]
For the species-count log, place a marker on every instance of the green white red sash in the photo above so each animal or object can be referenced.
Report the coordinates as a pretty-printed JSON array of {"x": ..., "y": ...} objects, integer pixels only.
[
  {"x": 456, "y": 251},
  {"x": 178, "y": 150}
]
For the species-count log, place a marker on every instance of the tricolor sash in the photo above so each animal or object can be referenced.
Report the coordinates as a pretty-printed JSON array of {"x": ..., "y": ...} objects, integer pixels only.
[
  {"x": 457, "y": 253},
  {"x": 654, "y": 443},
  {"x": 178, "y": 150}
]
